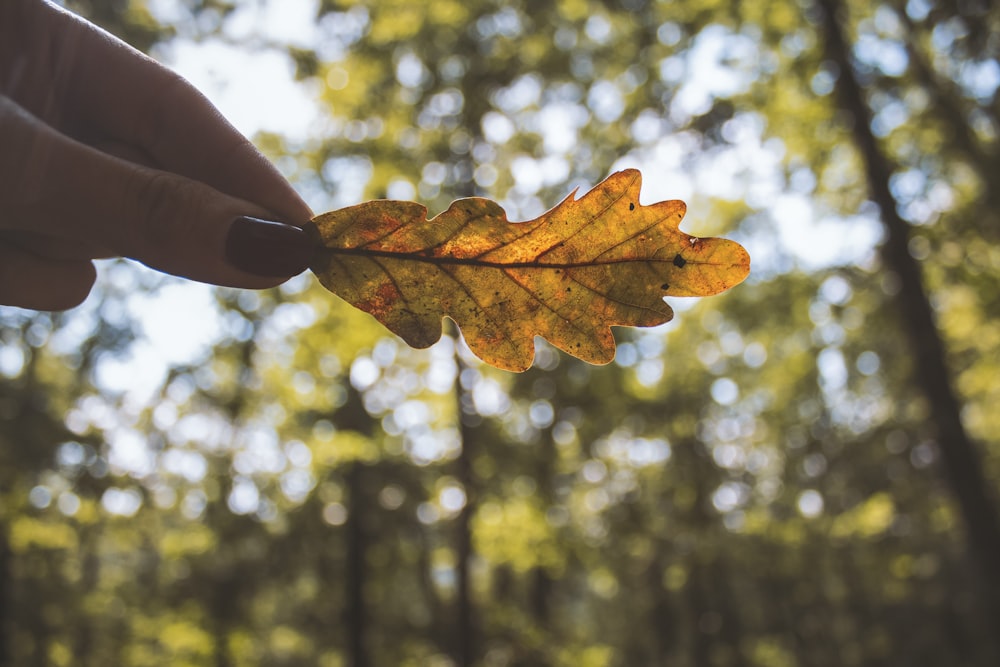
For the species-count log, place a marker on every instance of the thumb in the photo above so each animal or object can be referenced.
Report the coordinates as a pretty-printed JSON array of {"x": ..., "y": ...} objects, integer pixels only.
[{"x": 169, "y": 222}]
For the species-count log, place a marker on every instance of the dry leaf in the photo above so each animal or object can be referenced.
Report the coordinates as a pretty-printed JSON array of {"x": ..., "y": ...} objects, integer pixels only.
[{"x": 569, "y": 275}]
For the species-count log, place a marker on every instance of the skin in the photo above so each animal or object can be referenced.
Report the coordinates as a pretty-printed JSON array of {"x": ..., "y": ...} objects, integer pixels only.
[{"x": 103, "y": 153}]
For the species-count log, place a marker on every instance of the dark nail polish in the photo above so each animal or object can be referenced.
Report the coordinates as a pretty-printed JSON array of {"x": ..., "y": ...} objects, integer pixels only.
[{"x": 266, "y": 248}]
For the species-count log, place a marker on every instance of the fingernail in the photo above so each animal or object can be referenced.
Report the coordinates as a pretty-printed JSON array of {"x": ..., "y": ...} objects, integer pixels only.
[{"x": 266, "y": 248}]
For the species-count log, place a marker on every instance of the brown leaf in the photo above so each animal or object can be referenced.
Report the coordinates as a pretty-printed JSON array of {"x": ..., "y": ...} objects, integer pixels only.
[{"x": 569, "y": 275}]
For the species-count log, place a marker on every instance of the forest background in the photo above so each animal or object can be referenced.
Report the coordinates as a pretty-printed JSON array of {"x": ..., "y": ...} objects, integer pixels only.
[{"x": 799, "y": 472}]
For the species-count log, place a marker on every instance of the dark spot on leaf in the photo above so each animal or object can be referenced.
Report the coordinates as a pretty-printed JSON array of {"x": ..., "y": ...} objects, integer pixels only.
[
  {"x": 631, "y": 206},
  {"x": 679, "y": 261},
  {"x": 665, "y": 286},
  {"x": 569, "y": 289}
]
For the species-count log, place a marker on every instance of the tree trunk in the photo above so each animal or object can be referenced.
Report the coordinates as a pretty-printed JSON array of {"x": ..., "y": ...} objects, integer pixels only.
[
  {"x": 661, "y": 621},
  {"x": 6, "y": 585},
  {"x": 465, "y": 621},
  {"x": 541, "y": 581},
  {"x": 961, "y": 459},
  {"x": 84, "y": 632},
  {"x": 222, "y": 610},
  {"x": 465, "y": 643},
  {"x": 355, "y": 611}
]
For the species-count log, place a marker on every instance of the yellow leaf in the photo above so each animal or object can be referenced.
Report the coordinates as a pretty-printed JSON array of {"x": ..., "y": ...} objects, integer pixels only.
[{"x": 571, "y": 274}]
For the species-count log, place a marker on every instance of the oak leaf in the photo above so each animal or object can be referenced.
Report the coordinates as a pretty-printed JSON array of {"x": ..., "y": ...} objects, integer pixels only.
[{"x": 568, "y": 276}]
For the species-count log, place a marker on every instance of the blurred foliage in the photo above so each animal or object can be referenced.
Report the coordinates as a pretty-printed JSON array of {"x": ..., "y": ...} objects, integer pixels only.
[{"x": 755, "y": 483}]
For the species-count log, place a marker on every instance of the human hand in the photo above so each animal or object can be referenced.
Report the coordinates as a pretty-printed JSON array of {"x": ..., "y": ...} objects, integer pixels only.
[{"x": 104, "y": 152}]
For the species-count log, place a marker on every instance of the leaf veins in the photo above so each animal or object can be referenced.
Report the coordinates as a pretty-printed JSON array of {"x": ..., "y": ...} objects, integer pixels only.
[{"x": 569, "y": 275}]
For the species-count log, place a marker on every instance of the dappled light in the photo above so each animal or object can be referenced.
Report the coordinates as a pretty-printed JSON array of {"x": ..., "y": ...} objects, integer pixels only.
[{"x": 206, "y": 476}]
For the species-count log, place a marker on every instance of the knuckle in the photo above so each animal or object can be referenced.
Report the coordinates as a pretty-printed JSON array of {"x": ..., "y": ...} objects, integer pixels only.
[
  {"x": 157, "y": 203},
  {"x": 152, "y": 194},
  {"x": 169, "y": 230},
  {"x": 24, "y": 159}
]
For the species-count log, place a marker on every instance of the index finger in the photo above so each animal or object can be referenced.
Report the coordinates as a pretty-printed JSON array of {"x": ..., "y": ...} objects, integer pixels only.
[{"x": 127, "y": 96}]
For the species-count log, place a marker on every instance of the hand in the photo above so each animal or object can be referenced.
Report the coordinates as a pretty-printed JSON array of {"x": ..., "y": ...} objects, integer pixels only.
[{"x": 104, "y": 152}]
